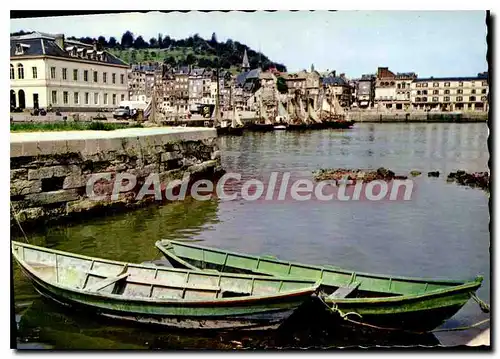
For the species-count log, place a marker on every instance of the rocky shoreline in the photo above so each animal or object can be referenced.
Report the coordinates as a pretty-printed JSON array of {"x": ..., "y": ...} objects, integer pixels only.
[{"x": 475, "y": 179}]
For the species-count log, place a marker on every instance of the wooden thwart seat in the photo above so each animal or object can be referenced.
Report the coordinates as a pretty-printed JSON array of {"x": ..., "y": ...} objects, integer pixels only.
[
  {"x": 105, "y": 282},
  {"x": 343, "y": 292}
]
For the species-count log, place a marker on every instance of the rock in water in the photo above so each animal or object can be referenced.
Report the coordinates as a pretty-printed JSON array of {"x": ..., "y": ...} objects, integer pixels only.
[
  {"x": 433, "y": 174},
  {"x": 415, "y": 173}
]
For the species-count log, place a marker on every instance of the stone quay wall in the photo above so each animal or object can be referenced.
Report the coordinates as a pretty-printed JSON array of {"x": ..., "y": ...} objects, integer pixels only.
[
  {"x": 50, "y": 170},
  {"x": 417, "y": 116}
]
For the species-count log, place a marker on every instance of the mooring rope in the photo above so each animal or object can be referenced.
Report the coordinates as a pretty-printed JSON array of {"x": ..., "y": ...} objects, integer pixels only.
[
  {"x": 344, "y": 316},
  {"x": 18, "y": 223}
]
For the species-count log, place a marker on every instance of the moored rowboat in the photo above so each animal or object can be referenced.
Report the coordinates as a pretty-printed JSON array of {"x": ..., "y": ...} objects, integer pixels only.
[
  {"x": 162, "y": 295},
  {"x": 400, "y": 303}
]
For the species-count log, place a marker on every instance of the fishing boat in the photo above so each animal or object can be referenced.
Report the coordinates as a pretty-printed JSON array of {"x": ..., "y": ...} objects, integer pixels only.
[
  {"x": 382, "y": 301},
  {"x": 162, "y": 295}
]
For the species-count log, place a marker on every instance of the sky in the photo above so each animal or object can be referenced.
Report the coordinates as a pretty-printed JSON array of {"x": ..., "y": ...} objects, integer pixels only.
[{"x": 429, "y": 43}]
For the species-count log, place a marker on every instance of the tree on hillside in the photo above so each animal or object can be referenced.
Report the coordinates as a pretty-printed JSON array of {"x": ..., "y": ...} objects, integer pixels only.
[
  {"x": 153, "y": 42},
  {"x": 166, "y": 42},
  {"x": 281, "y": 85},
  {"x": 133, "y": 57},
  {"x": 101, "y": 41},
  {"x": 160, "y": 41},
  {"x": 190, "y": 59},
  {"x": 146, "y": 56},
  {"x": 213, "y": 40},
  {"x": 139, "y": 43},
  {"x": 112, "y": 42},
  {"x": 127, "y": 39}
]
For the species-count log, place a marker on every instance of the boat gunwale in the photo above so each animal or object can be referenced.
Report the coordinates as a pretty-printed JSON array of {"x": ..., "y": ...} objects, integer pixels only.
[
  {"x": 471, "y": 284},
  {"x": 253, "y": 299}
]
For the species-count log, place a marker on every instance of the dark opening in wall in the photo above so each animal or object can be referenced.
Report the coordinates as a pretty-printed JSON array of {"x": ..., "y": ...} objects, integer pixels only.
[{"x": 52, "y": 184}]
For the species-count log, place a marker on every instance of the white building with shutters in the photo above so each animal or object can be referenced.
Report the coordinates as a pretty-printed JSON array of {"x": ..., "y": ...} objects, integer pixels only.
[{"x": 67, "y": 75}]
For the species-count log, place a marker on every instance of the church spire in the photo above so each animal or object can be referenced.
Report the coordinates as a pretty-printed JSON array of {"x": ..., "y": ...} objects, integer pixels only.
[{"x": 245, "y": 66}]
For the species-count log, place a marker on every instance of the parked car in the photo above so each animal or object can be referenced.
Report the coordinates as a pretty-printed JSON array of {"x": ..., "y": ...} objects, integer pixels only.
[{"x": 124, "y": 113}]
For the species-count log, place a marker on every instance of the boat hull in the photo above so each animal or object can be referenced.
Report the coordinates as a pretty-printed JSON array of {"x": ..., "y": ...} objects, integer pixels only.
[
  {"x": 267, "y": 315},
  {"x": 422, "y": 311},
  {"x": 339, "y": 124},
  {"x": 260, "y": 127},
  {"x": 229, "y": 131}
]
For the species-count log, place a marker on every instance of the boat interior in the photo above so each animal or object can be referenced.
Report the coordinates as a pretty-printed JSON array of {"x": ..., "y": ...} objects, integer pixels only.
[
  {"x": 95, "y": 275},
  {"x": 335, "y": 282}
]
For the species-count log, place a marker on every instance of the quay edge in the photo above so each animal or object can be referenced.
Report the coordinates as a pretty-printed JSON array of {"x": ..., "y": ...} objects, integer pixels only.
[{"x": 49, "y": 170}]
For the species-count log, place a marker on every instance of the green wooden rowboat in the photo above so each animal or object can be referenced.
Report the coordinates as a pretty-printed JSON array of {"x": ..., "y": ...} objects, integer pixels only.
[
  {"x": 162, "y": 295},
  {"x": 400, "y": 303}
]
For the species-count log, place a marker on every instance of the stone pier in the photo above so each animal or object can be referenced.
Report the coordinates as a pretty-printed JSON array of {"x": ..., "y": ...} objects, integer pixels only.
[{"x": 50, "y": 170}]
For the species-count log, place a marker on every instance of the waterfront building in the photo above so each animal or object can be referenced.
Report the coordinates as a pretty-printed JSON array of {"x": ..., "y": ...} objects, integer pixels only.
[
  {"x": 141, "y": 81},
  {"x": 365, "y": 91},
  {"x": 392, "y": 91},
  {"x": 339, "y": 87},
  {"x": 67, "y": 75},
  {"x": 198, "y": 78},
  {"x": 181, "y": 89},
  {"x": 451, "y": 93}
]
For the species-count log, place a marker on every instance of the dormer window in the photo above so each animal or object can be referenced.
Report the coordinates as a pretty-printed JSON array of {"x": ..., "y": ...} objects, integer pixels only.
[{"x": 19, "y": 49}]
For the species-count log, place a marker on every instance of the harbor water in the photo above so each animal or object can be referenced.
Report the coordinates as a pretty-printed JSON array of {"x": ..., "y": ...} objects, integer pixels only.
[{"x": 442, "y": 231}]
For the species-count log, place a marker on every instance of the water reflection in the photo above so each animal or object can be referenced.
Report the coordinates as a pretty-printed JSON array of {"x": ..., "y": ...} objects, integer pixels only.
[{"x": 442, "y": 232}]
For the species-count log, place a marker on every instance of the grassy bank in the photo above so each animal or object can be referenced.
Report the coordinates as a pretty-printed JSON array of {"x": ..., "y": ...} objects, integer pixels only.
[{"x": 68, "y": 126}]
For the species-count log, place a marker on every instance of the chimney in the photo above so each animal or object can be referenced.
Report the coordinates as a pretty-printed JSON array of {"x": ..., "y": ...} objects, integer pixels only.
[
  {"x": 59, "y": 38},
  {"x": 94, "y": 45},
  {"x": 334, "y": 73}
]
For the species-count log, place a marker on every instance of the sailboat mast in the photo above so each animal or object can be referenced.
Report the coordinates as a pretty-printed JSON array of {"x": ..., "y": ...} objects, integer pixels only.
[{"x": 217, "y": 104}]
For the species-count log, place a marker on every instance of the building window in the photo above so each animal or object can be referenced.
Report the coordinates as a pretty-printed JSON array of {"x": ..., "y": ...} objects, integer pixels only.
[
  {"x": 435, "y": 84},
  {"x": 446, "y": 84},
  {"x": 434, "y": 99},
  {"x": 473, "y": 91},
  {"x": 113, "y": 78},
  {"x": 424, "y": 99},
  {"x": 484, "y": 83},
  {"x": 435, "y": 92},
  {"x": 96, "y": 98},
  {"x": 473, "y": 84},
  {"x": 86, "y": 98},
  {"x": 483, "y": 91},
  {"x": 122, "y": 79},
  {"x": 418, "y": 85},
  {"x": 76, "y": 98},
  {"x": 54, "y": 97},
  {"x": 447, "y": 92},
  {"x": 104, "y": 77},
  {"x": 35, "y": 73},
  {"x": 65, "y": 97},
  {"x": 447, "y": 99},
  {"x": 114, "y": 99},
  {"x": 461, "y": 84},
  {"x": 417, "y": 99},
  {"x": 460, "y": 91},
  {"x": 12, "y": 72},
  {"x": 86, "y": 75},
  {"x": 459, "y": 98},
  {"x": 105, "y": 98},
  {"x": 425, "y": 84},
  {"x": 64, "y": 74},
  {"x": 122, "y": 97},
  {"x": 472, "y": 98},
  {"x": 52, "y": 72},
  {"x": 20, "y": 71},
  {"x": 424, "y": 92},
  {"x": 75, "y": 75},
  {"x": 95, "y": 76}
]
